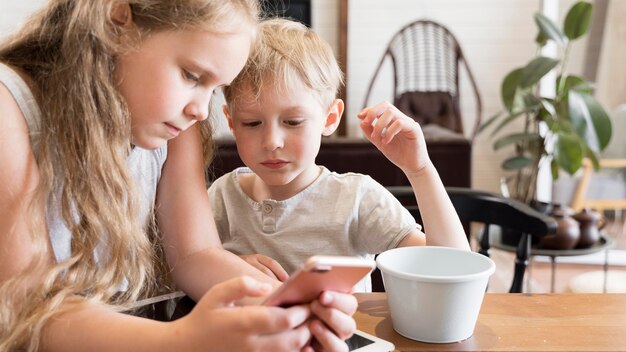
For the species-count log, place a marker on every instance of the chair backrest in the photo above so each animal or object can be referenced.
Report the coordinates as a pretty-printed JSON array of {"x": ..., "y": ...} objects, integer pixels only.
[
  {"x": 425, "y": 57},
  {"x": 490, "y": 209}
]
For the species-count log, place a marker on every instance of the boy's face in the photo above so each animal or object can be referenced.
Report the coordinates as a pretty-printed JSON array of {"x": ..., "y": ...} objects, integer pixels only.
[{"x": 278, "y": 135}]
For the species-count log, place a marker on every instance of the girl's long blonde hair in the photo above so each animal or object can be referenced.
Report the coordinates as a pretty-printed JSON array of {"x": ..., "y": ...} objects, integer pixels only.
[{"x": 69, "y": 51}]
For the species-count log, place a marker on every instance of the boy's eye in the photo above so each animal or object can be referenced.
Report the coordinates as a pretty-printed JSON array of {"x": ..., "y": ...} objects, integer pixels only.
[
  {"x": 293, "y": 122},
  {"x": 190, "y": 76},
  {"x": 250, "y": 123}
]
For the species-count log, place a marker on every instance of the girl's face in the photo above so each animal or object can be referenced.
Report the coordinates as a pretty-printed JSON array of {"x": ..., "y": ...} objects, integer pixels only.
[{"x": 168, "y": 81}]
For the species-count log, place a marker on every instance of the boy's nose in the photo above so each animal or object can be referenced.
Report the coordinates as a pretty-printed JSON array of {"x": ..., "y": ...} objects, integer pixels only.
[{"x": 272, "y": 139}]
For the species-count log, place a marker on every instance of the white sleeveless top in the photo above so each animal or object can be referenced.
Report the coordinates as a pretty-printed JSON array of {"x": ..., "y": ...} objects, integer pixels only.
[{"x": 145, "y": 165}]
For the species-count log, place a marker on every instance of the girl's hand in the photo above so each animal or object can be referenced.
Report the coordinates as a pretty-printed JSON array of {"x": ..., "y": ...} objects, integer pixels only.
[
  {"x": 215, "y": 323},
  {"x": 396, "y": 135},
  {"x": 333, "y": 322},
  {"x": 266, "y": 265}
]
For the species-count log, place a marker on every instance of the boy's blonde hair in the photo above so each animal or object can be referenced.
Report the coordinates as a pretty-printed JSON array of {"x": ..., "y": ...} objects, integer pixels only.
[
  {"x": 288, "y": 50},
  {"x": 69, "y": 51}
]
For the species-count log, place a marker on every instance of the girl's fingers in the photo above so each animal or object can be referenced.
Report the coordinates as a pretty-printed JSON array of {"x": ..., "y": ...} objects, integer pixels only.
[
  {"x": 344, "y": 302},
  {"x": 226, "y": 293},
  {"x": 292, "y": 340},
  {"x": 336, "y": 310},
  {"x": 325, "y": 338},
  {"x": 276, "y": 319}
]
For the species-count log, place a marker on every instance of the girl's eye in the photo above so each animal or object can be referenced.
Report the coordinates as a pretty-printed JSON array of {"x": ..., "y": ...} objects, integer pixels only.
[{"x": 190, "y": 76}]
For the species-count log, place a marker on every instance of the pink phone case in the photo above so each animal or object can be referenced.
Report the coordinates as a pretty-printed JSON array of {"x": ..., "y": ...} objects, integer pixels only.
[{"x": 320, "y": 273}]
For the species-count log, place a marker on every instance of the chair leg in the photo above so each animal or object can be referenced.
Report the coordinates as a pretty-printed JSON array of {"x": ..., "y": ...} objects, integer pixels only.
[
  {"x": 484, "y": 244},
  {"x": 521, "y": 262}
]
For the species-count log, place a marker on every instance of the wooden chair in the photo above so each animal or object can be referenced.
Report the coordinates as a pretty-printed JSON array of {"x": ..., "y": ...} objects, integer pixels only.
[
  {"x": 492, "y": 210},
  {"x": 581, "y": 198},
  {"x": 426, "y": 58}
]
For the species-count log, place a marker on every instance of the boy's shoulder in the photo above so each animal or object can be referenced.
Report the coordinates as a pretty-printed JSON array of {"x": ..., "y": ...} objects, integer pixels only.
[
  {"x": 228, "y": 180},
  {"x": 355, "y": 179}
]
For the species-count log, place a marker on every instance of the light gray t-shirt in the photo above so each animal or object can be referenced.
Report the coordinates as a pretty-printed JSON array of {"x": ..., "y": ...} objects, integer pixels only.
[
  {"x": 338, "y": 214},
  {"x": 145, "y": 165}
]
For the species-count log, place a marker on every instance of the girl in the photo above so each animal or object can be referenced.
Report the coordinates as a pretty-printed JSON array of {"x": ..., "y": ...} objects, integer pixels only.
[{"x": 93, "y": 94}]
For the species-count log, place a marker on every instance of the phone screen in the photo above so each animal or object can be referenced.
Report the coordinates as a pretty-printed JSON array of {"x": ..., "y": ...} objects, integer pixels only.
[{"x": 357, "y": 341}]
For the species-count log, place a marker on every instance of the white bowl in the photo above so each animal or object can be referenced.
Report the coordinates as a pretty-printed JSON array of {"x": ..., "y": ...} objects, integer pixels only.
[{"x": 434, "y": 293}]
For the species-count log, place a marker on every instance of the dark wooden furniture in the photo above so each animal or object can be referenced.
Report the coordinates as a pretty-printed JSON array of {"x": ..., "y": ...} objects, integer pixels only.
[
  {"x": 495, "y": 212},
  {"x": 452, "y": 160},
  {"x": 519, "y": 322}
]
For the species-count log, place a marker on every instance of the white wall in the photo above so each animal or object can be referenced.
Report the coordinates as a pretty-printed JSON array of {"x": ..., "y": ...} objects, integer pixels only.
[
  {"x": 14, "y": 13},
  {"x": 496, "y": 36}
]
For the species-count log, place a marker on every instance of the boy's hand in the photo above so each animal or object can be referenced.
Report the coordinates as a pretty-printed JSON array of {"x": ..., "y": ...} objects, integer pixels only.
[
  {"x": 266, "y": 265},
  {"x": 396, "y": 135}
]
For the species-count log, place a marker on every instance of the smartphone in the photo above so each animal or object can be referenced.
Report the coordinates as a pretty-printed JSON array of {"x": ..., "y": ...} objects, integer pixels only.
[
  {"x": 318, "y": 274},
  {"x": 363, "y": 342}
]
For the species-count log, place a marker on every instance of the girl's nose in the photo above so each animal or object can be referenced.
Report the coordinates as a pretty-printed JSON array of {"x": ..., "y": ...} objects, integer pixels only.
[
  {"x": 197, "y": 111},
  {"x": 198, "y": 107}
]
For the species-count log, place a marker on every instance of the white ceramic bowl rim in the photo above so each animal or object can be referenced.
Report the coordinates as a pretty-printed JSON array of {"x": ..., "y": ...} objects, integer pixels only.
[{"x": 488, "y": 271}]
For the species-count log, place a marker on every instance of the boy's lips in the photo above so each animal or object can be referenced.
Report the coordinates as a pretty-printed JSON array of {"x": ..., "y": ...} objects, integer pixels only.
[{"x": 274, "y": 164}]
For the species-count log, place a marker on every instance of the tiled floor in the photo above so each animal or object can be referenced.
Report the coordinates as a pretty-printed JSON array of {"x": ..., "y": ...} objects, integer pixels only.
[{"x": 538, "y": 277}]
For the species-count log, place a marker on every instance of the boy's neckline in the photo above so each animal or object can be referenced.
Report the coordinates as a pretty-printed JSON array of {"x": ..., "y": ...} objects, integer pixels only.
[{"x": 250, "y": 185}]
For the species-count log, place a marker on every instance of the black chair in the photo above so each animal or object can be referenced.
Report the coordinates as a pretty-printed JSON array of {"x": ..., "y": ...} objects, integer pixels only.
[{"x": 491, "y": 210}]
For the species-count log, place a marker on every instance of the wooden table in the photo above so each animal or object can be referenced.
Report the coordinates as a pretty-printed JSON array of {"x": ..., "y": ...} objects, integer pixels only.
[{"x": 519, "y": 322}]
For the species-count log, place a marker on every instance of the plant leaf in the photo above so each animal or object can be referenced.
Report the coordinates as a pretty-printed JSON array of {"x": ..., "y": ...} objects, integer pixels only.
[
  {"x": 547, "y": 113},
  {"x": 516, "y": 163},
  {"x": 600, "y": 119},
  {"x": 589, "y": 120},
  {"x": 577, "y": 20},
  {"x": 575, "y": 83},
  {"x": 489, "y": 121},
  {"x": 541, "y": 39},
  {"x": 554, "y": 167},
  {"x": 580, "y": 117},
  {"x": 515, "y": 138},
  {"x": 507, "y": 120},
  {"x": 508, "y": 89},
  {"x": 535, "y": 70},
  {"x": 568, "y": 152},
  {"x": 548, "y": 28},
  {"x": 593, "y": 157}
]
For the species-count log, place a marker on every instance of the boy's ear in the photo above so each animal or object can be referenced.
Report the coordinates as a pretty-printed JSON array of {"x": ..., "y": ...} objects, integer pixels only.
[
  {"x": 228, "y": 117},
  {"x": 333, "y": 118},
  {"x": 121, "y": 15}
]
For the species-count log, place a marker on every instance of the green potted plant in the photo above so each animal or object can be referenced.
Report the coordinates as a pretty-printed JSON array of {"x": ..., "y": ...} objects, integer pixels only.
[{"x": 576, "y": 125}]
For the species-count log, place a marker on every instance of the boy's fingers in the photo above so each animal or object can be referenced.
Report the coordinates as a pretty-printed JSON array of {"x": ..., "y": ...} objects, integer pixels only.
[{"x": 277, "y": 270}]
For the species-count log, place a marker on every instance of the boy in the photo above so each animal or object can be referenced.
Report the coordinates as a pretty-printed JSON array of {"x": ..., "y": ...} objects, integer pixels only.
[{"x": 283, "y": 207}]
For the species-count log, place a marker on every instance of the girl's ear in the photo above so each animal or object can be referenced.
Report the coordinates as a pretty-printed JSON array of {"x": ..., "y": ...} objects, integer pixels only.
[
  {"x": 121, "y": 15},
  {"x": 333, "y": 118}
]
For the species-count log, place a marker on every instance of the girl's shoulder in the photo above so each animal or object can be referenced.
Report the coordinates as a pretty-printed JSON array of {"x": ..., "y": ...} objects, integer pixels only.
[{"x": 14, "y": 129}]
